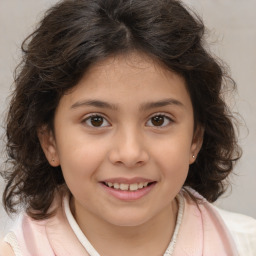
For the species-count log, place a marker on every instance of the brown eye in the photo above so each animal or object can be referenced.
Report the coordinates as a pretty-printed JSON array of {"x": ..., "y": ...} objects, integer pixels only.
[
  {"x": 96, "y": 121},
  {"x": 159, "y": 121}
]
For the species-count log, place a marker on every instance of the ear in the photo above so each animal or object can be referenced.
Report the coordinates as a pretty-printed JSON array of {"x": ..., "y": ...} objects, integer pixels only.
[
  {"x": 196, "y": 144},
  {"x": 48, "y": 144}
]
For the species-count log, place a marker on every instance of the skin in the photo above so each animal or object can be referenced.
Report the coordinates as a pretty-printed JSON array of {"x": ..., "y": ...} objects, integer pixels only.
[
  {"x": 128, "y": 144},
  {"x": 6, "y": 250}
]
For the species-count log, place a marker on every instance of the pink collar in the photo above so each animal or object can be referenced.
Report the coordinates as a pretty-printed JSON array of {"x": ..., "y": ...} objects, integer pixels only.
[{"x": 203, "y": 231}]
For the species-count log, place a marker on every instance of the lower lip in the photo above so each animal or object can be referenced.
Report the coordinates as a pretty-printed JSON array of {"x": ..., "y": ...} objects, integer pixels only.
[{"x": 129, "y": 195}]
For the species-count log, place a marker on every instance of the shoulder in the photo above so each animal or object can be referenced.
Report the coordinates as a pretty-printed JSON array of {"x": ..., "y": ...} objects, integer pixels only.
[
  {"x": 242, "y": 229},
  {"x": 238, "y": 222},
  {"x": 30, "y": 235},
  {"x": 5, "y": 249},
  {"x": 10, "y": 245}
]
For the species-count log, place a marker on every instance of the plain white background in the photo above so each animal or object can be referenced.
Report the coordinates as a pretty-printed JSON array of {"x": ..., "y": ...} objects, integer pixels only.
[{"x": 231, "y": 35}]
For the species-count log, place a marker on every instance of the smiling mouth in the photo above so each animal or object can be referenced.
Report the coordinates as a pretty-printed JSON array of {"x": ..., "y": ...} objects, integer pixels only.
[{"x": 128, "y": 187}]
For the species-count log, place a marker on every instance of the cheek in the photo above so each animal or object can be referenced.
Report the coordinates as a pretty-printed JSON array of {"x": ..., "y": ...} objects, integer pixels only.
[
  {"x": 80, "y": 170},
  {"x": 174, "y": 167},
  {"x": 84, "y": 161},
  {"x": 173, "y": 158},
  {"x": 81, "y": 149},
  {"x": 80, "y": 161},
  {"x": 174, "y": 149}
]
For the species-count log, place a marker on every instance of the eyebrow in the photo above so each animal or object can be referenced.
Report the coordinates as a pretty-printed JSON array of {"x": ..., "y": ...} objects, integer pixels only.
[
  {"x": 143, "y": 107},
  {"x": 94, "y": 103},
  {"x": 161, "y": 103}
]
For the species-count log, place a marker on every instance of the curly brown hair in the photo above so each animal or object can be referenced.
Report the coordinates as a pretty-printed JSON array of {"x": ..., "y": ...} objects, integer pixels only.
[{"x": 75, "y": 34}]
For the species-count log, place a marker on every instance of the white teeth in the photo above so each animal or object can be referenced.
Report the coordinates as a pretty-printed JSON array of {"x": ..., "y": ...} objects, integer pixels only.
[
  {"x": 133, "y": 187},
  {"x": 116, "y": 186},
  {"x": 141, "y": 185},
  {"x": 145, "y": 184},
  {"x": 126, "y": 187}
]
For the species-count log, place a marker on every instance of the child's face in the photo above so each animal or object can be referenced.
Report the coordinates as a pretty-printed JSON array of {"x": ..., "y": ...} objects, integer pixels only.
[{"x": 128, "y": 121}]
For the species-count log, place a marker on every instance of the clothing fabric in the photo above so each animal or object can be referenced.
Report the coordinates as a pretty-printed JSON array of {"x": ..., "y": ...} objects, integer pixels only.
[
  {"x": 243, "y": 231},
  {"x": 202, "y": 232}
]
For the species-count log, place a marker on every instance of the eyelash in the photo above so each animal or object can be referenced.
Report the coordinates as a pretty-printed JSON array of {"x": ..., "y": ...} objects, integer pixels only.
[
  {"x": 107, "y": 124},
  {"x": 161, "y": 115},
  {"x": 89, "y": 118}
]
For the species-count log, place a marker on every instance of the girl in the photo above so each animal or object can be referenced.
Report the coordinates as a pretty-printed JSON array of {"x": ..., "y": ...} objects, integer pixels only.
[{"x": 118, "y": 136}]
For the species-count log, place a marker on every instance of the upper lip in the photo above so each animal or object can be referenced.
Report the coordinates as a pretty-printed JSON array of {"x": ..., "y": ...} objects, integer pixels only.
[{"x": 123, "y": 180}]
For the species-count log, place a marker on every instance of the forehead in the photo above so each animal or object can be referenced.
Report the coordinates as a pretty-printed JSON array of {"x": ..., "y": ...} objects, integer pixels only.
[{"x": 129, "y": 78}]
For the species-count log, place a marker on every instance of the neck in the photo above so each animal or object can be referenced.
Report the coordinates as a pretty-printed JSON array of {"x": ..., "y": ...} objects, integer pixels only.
[{"x": 150, "y": 238}]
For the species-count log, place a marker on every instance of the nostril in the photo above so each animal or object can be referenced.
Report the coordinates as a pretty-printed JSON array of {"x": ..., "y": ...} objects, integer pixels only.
[
  {"x": 118, "y": 163},
  {"x": 139, "y": 163}
]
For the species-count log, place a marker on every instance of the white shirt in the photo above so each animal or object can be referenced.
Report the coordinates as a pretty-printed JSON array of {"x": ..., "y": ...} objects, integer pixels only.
[{"x": 243, "y": 231}]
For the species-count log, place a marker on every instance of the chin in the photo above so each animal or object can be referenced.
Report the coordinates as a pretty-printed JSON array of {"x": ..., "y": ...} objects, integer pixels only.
[
  {"x": 128, "y": 223},
  {"x": 128, "y": 220}
]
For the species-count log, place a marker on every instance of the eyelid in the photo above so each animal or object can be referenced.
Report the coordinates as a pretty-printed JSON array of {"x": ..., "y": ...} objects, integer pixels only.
[{"x": 162, "y": 114}]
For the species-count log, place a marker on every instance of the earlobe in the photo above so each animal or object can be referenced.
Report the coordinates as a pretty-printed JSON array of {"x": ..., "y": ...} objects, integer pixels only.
[
  {"x": 196, "y": 144},
  {"x": 48, "y": 144}
]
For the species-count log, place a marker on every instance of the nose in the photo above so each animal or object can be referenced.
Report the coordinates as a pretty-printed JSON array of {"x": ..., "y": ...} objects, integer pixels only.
[{"x": 128, "y": 149}]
